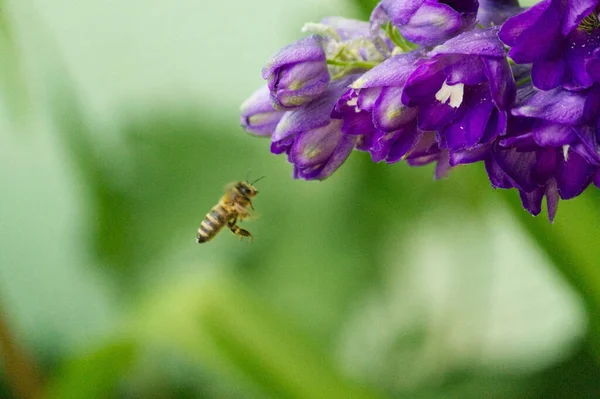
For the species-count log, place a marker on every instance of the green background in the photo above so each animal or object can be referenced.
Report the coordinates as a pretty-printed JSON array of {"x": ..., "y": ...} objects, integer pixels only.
[{"x": 118, "y": 130}]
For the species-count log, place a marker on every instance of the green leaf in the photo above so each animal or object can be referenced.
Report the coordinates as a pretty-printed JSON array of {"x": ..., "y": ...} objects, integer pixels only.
[{"x": 94, "y": 375}]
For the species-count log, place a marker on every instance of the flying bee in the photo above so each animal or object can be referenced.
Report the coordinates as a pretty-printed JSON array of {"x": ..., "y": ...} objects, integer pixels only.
[{"x": 232, "y": 208}]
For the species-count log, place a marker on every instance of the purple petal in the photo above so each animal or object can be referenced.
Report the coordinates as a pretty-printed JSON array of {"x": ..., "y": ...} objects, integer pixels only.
[
  {"x": 479, "y": 42},
  {"x": 549, "y": 73},
  {"x": 467, "y": 131},
  {"x": 299, "y": 84},
  {"x": 560, "y": 106},
  {"x": 306, "y": 49},
  {"x": 391, "y": 147},
  {"x": 516, "y": 25},
  {"x": 553, "y": 135},
  {"x": 496, "y": 126},
  {"x": 313, "y": 115},
  {"x": 518, "y": 166},
  {"x": 593, "y": 65},
  {"x": 468, "y": 70},
  {"x": 501, "y": 82},
  {"x": 469, "y": 156},
  {"x": 577, "y": 10},
  {"x": 367, "y": 98},
  {"x": 496, "y": 12},
  {"x": 357, "y": 123},
  {"x": 522, "y": 142},
  {"x": 596, "y": 179},
  {"x": 258, "y": 115},
  {"x": 389, "y": 114},
  {"x": 392, "y": 72},
  {"x": 443, "y": 166},
  {"x": 316, "y": 145},
  {"x": 423, "y": 83},
  {"x": 380, "y": 145},
  {"x": 297, "y": 73},
  {"x": 545, "y": 166},
  {"x": 405, "y": 142},
  {"x": 539, "y": 38},
  {"x": 580, "y": 48},
  {"x": 498, "y": 178},
  {"x": 589, "y": 140},
  {"x": 574, "y": 175},
  {"x": 345, "y": 104},
  {"x": 431, "y": 23},
  {"x": 422, "y": 160},
  {"x": 552, "y": 199},
  {"x": 341, "y": 153},
  {"x": 425, "y": 150},
  {"x": 400, "y": 12},
  {"x": 592, "y": 104},
  {"x": 435, "y": 115},
  {"x": 532, "y": 201},
  {"x": 365, "y": 142}
]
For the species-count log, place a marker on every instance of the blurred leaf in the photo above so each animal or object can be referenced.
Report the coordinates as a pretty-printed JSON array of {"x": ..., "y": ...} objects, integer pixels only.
[
  {"x": 572, "y": 245},
  {"x": 365, "y": 7},
  {"x": 13, "y": 83},
  {"x": 577, "y": 377},
  {"x": 94, "y": 375},
  {"x": 249, "y": 335},
  {"x": 231, "y": 331}
]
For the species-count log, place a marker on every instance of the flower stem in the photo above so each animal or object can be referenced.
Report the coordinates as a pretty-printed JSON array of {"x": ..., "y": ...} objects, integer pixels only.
[
  {"x": 353, "y": 64},
  {"x": 21, "y": 371},
  {"x": 398, "y": 39}
]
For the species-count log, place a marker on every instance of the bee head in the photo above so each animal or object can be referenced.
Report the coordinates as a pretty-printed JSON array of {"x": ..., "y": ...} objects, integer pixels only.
[{"x": 246, "y": 189}]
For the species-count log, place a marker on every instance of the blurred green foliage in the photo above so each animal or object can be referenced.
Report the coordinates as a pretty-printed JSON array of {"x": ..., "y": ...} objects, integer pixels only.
[{"x": 377, "y": 283}]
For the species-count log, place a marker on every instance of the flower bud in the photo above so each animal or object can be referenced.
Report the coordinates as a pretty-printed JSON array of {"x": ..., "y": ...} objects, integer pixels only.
[
  {"x": 297, "y": 74},
  {"x": 258, "y": 115}
]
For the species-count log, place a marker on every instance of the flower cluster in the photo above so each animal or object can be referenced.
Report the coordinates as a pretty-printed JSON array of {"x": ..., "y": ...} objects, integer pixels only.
[{"x": 448, "y": 82}]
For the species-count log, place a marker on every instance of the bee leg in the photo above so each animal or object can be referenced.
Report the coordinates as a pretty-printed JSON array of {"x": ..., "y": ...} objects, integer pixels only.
[{"x": 235, "y": 229}]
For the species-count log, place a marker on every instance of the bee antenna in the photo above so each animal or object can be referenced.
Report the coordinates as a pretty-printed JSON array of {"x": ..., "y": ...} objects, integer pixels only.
[
  {"x": 260, "y": 178},
  {"x": 248, "y": 176}
]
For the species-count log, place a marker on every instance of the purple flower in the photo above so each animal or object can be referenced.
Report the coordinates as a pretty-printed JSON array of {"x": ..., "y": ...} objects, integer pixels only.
[
  {"x": 372, "y": 108},
  {"x": 559, "y": 38},
  {"x": 297, "y": 74},
  {"x": 312, "y": 140},
  {"x": 496, "y": 12},
  {"x": 258, "y": 115},
  {"x": 426, "y": 22},
  {"x": 549, "y": 150},
  {"x": 365, "y": 86},
  {"x": 427, "y": 151},
  {"x": 463, "y": 93}
]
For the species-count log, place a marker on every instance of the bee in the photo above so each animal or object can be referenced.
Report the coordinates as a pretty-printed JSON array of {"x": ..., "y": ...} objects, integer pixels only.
[{"x": 232, "y": 208}]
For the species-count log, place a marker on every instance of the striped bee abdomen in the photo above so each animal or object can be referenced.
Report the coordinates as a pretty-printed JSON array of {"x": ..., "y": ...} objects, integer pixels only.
[{"x": 212, "y": 223}]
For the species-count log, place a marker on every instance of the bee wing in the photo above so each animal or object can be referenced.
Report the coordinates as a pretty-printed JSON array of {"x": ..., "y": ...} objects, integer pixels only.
[
  {"x": 250, "y": 216},
  {"x": 229, "y": 196},
  {"x": 229, "y": 186},
  {"x": 245, "y": 213}
]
